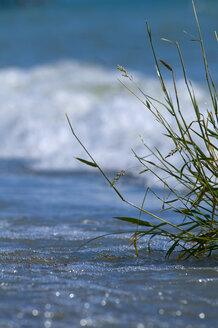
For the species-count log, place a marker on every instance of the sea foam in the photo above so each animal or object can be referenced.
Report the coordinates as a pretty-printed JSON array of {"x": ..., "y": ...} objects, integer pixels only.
[{"x": 107, "y": 117}]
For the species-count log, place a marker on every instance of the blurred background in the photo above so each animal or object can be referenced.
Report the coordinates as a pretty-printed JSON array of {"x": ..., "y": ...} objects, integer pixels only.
[{"x": 60, "y": 56}]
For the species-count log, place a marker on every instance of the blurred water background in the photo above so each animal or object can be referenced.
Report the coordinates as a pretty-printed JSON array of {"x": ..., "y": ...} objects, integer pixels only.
[{"x": 60, "y": 57}]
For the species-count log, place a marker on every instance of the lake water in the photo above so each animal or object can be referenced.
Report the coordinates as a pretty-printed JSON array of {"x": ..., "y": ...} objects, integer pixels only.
[{"x": 60, "y": 57}]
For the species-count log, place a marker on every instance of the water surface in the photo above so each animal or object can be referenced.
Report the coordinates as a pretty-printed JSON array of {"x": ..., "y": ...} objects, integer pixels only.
[{"x": 46, "y": 281}]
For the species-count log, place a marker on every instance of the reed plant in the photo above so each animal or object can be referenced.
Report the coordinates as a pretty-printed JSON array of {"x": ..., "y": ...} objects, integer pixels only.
[{"x": 192, "y": 191}]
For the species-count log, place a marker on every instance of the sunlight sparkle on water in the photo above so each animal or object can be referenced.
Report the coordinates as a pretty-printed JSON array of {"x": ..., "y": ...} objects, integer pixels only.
[
  {"x": 35, "y": 312},
  {"x": 201, "y": 315}
]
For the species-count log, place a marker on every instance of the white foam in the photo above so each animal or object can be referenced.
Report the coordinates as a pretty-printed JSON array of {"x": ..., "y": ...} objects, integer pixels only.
[{"x": 106, "y": 117}]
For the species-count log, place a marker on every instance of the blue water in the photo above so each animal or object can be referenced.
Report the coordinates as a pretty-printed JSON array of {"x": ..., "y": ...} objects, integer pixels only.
[
  {"x": 58, "y": 57},
  {"x": 105, "y": 32},
  {"x": 47, "y": 280},
  {"x": 61, "y": 56}
]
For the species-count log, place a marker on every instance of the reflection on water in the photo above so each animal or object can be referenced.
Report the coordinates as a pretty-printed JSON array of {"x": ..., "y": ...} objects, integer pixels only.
[{"x": 45, "y": 281}]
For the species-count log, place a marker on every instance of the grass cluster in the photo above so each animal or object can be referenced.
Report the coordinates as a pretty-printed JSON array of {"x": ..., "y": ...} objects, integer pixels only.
[{"x": 195, "y": 144}]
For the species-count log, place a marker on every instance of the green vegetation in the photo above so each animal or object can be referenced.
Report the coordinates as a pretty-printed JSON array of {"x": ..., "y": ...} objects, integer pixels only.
[{"x": 193, "y": 194}]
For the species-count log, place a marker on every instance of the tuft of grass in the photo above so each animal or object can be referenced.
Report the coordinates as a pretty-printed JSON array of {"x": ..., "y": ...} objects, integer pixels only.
[{"x": 195, "y": 144}]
